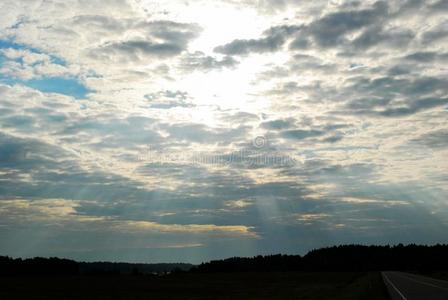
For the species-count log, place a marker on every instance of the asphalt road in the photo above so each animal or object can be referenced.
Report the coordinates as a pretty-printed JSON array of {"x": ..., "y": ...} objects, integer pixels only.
[{"x": 406, "y": 286}]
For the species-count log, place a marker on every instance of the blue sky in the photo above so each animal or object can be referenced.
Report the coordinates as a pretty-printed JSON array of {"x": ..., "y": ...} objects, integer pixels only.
[
  {"x": 48, "y": 84},
  {"x": 166, "y": 131}
]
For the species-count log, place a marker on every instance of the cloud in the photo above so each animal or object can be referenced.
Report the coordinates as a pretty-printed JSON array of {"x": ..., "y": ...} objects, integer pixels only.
[
  {"x": 238, "y": 204},
  {"x": 311, "y": 217},
  {"x": 198, "y": 61},
  {"x": 278, "y": 124},
  {"x": 330, "y": 30},
  {"x": 440, "y": 6},
  {"x": 101, "y": 22},
  {"x": 360, "y": 86},
  {"x": 374, "y": 36},
  {"x": 286, "y": 128},
  {"x": 300, "y": 134},
  {"x": 373, "y": 201},
  {"x": 23, "y": 64},
  {"x": 273, "y": 7},
  {"x": 168, "y": 99},
  {"x": 437, "y": 34},
  {"x": 200, "y": 133},
  {"x": 60, "y": 173},
  {"x": 116, "y": 132},
  {"x": 435, "y": 139},
  {"x": 54, "y": 212},
  {"x": 240, "y": 117},
  {"x": 407, "y": 109},
  {"x": 135, "y": 50},
  {"x": 273, "y": 40},
  {"x": 426, "y": 56},
  {"x": 186, "y": 228},
  {"x": 386, "y": 95},
  {"x": 160, "y": 39}
]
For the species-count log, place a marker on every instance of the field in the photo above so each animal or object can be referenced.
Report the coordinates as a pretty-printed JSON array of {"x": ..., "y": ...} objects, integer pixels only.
[{"x": 285, "y": 285}]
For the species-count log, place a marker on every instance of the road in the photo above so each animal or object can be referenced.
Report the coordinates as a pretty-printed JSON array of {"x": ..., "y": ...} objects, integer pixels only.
[{"x": 406, "y": 286}]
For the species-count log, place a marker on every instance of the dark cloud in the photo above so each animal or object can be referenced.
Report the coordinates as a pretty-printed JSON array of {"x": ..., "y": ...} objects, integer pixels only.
[
  {"x": 330, "y": 30},
  {"x": 440, "y": 6},
  {"x": 391, "y": 86},
  {"x": 201, "y": 62},
  {"x": 413, "y": 107},
  {"x": 327, "y": 133},
  {"x": 400, "y": 70},
  {"x": 298, "y": 64},
  {"x": 395, "y": 97},
  {"x": 300, "y": 43},
  {"x": 376, "y": 35},
  {"x": 273, "y": 40},
  {"x": 368, "y": 103},
  {"x": 201, "y": 133},
  {"x": 241, "y": 47},
  {"x": 302, "y": 62},
  {"x": 434, "y": 139},
  {"x": 437, "y": 34},
  {"x": 20, "y": 154},
  {"x": 113, "y": 132},
  {"x": 178, "y": 33},
  {"x": 23, "y": 123},
  {"x": 333, "y": 139},
  {"x": 426, "y": 56},
  {"x": 409, "y": 6},
  {"x": 397, "y": 110},
  {"x": 278, "y": 124},
  {"x": 135, "y": 50},
  {"x": 57, "y": 173},
  {"x": 299, "y": 134},
  {"x": 164, "y": 39}
]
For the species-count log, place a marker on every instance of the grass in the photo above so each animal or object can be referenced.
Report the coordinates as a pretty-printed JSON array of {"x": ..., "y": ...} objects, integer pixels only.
[{"x": 294, "y": 285}]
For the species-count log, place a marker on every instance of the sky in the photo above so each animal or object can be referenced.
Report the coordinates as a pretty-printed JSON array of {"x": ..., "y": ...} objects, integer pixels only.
[{"x": 163, "y": 131}]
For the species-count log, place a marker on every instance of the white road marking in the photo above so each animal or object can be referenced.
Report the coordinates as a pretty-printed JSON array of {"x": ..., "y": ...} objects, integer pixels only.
[
  {"x": 422, "y": 282},
  {"x": 396, "y": 289}
]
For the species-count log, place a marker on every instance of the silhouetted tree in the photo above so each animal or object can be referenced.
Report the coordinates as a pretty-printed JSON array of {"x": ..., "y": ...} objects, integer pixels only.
[{"x": 340, "y": 258}]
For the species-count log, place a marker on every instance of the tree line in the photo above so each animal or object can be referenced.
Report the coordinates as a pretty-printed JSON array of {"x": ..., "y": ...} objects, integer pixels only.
[
  {"x": 66, "y": 267},
  {"x": 340, "y": 258},
  {"x": 337, "y": 258}
]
